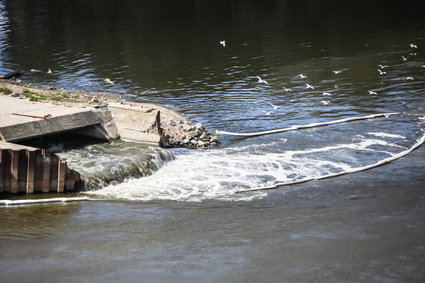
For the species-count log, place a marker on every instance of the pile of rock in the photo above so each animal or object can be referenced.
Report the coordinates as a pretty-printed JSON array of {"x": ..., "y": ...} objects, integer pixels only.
[{"x": 183, "y": 134}]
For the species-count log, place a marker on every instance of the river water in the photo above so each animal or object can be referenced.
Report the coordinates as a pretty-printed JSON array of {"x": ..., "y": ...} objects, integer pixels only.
[{"x": 191, "y": 217}]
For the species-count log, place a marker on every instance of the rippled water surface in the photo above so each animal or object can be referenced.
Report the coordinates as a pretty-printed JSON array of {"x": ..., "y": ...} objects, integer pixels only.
[{"x": 190, "y": 218}]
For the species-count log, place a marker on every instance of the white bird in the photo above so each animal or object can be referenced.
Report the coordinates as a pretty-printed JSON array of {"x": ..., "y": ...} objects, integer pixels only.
[
  {"x": 34, "y": 71},
  {"x": 409, "y": 79},
  {"x": 268, "y": 112},
  {"x": 381, "y": 72},
  {"x": 108, "y": 80},
  {"x": 302, "y": 76},
  {"x": 286, "y": 89},
  {"x": 223, "y": 42},
  {"x": 404, "y": 58},
  {"x": 308, "y": 86},
  {"x": 383, "y": 66},
  {"x": 336, "y": 72},
  {"x": 327, "y": 93},
  {"x": 325, "y": 102},
  {"x": 413, "y": 45},
  {"x": 275, "y": 106},
  {"x": 372, "y": 92},
  {"x": 49, "y": 71},
  {"x": 261, "y": 81}
]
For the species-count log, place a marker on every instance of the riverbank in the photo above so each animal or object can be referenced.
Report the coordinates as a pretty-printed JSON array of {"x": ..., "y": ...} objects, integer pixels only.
[{"x": 145, "y": 122}]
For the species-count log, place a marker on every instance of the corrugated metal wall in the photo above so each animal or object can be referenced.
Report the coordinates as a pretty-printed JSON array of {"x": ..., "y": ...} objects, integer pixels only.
[{"x": 32, "y": 171}]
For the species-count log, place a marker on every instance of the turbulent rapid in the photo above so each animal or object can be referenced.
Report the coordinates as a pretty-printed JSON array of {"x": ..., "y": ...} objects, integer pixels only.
[
  {"x": 225, "y": 173},
  {"x": 105, "y": 164}
]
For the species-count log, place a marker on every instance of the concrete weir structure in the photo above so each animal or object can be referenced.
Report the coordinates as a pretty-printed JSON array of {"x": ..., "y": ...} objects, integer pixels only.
[{"x": 27, "y": 170}]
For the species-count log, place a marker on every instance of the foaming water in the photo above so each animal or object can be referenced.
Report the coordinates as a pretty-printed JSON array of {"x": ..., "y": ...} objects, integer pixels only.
[
  {"x": 223, "y": 173},
  {"x": 111, "y": 163}
]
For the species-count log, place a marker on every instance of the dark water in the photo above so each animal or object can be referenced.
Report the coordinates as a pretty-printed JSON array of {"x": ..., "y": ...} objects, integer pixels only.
[{"x": 186, "y": 222}]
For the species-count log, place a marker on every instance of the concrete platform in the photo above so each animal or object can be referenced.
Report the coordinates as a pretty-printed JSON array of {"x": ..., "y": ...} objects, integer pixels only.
[{"x": 21, "y": 119}]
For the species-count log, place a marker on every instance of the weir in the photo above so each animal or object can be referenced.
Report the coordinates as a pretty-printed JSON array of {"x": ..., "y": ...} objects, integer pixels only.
[{"x": 28, "y": 170}]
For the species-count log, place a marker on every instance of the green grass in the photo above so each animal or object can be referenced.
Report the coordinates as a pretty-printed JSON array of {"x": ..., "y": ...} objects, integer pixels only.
[
  {"x": 58, "y": 96},
  {"x": 35, "y": 96},
  {"x": 5, "y": 90}
]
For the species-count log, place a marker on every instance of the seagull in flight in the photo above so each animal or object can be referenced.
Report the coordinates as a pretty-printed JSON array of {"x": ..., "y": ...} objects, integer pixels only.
[
  {"x": 409, "y": 79},
  {"x": 336, "y": 72},
  {"x": 261, "y": 81},
  {"x": 372, "y": 92},
  {"x": 268, "y": 112},
  {"x": 413, "y": 45},
  {"x": 327, "y": 93},
  {"x": 308, "y": 86},
  {"x": 325, "y": 102},
  {"x": 223, "y": 42},
  {"x": 302, "y": 76},
  {"x": 275, "y": 106},
  {"x": 404, "y": 58},
  {"x": 382, "y": 66},
  {"x": 381, "y": 72},
  {"x": 49, "y": 71},
  {"x": 286, "y": 89},
  {"x": 108, "y": 80}
]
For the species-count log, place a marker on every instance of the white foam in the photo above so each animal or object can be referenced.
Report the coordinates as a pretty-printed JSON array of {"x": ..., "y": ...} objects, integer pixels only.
[
  {"x": 385, "y": 135},
  {"x": 221, "y": 173}
]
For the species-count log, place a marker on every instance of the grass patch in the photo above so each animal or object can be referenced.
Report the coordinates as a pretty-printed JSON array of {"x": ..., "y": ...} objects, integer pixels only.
[
  {"x": 35, "y": 96},
  {"x": 5, "y": 90}
]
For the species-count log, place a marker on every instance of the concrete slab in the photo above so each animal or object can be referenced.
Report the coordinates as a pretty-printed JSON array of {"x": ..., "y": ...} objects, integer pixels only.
[{"x": 22, "y": 119}]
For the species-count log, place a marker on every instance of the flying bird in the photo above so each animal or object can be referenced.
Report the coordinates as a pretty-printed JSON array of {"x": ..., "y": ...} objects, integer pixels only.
[
  {"x": 49, "y": 71},
  {"x": 409, "y": 79},
  {"x": 381, "y": 72},
  {"x": 261, "y": 81},
  {"x": 404, "y": 58},
  {"x": 302, "y": 76},
  {"x": 286, "y": 89},
  {"x": 336, "y": 72},
  {"x": 325, "y": 102},
  {"x": 308, "y": 86},
  {"x": 275, "y": 106},
  {"x": 223, "y": 42},
  {"x": 268, "y": 112},
  {"x": 327, "y": 93},
  {"x": 108, "y": 80},
  {"x": 372, "y": 92},
  {"x": 382, "y": 66},
  {"x": 413, "y": 45}
]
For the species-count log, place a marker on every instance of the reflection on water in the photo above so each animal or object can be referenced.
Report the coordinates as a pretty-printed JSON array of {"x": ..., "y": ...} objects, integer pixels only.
[{"x": 169, "y": 52}]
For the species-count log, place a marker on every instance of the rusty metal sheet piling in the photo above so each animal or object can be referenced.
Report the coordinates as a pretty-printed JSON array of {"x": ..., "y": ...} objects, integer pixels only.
[{"x": 28, "y": 170}]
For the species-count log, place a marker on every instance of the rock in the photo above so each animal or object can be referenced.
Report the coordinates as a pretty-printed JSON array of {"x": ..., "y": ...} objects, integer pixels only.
[
  {"x": 192, "y": 134},
  {"x": 14, "y": 94},
  {"x": 201, "y": 143},
  {"x": 199, "y": 126},
  {"x": 195, "y": 142},
  {"x": 186, "y": 128},
  {"x": 213, "y": 139}
]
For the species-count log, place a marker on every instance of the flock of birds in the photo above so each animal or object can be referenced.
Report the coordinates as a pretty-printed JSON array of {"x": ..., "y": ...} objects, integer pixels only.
[{"x": 308, "y": 86}]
